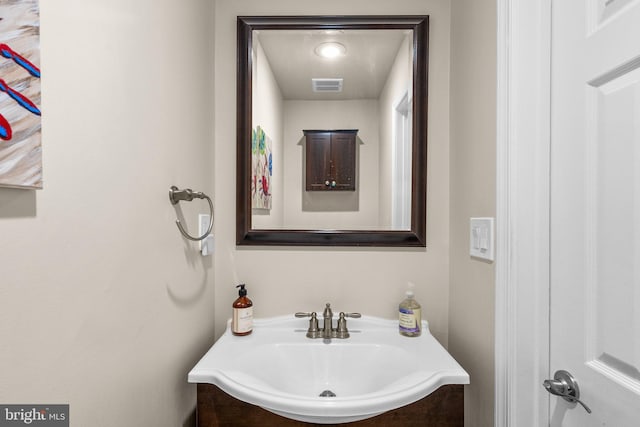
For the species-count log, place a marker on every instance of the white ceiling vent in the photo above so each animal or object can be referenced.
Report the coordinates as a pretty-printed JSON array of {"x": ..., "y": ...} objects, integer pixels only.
[{"x": 327, "y": 85}]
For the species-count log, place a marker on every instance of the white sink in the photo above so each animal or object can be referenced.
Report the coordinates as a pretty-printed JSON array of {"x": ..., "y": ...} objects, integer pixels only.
[{"x": 375, "y": 370}]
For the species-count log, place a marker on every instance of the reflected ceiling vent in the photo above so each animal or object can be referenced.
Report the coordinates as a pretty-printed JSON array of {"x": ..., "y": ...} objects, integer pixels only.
[{"x": 327, "y": 85}]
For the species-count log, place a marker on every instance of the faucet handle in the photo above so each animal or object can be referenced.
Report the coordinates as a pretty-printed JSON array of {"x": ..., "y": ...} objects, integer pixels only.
[
  {"x": 352, "y": 315},
  {"x": 304, "y": 314},
  {"x": 342, "y": 331},
  {"x": 313, "y": 331}
]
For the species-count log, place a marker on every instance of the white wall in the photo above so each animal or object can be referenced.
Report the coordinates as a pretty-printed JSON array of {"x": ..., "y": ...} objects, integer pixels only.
[
  {"x": 285, "y": 280},
  {"x": 103, "y": 305},
  {"x": 473, "y": 153},
  {"x": 268, "y": 110},
  {"x": 342, "y": 210}
]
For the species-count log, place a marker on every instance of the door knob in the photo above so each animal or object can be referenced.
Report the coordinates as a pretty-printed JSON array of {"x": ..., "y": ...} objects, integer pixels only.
[{"x": 564, "y": 385}]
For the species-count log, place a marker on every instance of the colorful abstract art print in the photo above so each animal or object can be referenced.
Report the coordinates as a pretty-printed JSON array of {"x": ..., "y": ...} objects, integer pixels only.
[
  {"x": 20, "y": 128},
  {"x": 262, "y": 169}
]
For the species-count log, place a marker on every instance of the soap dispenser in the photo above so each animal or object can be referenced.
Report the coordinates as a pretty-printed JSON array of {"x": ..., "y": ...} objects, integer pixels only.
[
  {"x": 242, "y": 320},
  {"x": 410, "y": 315}
]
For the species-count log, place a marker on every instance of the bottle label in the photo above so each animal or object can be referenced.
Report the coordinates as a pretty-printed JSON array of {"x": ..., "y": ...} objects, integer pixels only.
[
  {"x": 242, "y": 320},
  {"x": 409, "y": 320}
]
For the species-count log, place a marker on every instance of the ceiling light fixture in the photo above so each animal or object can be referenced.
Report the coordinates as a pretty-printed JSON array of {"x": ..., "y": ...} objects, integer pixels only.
[{"x": 330, "y": 50}]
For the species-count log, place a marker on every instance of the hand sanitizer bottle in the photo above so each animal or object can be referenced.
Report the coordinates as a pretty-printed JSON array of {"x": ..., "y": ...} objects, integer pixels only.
[{"x": 410, "y": 315}]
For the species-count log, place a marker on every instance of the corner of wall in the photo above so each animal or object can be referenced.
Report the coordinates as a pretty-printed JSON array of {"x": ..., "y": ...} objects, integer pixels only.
[{"x": 473, "y": 171}]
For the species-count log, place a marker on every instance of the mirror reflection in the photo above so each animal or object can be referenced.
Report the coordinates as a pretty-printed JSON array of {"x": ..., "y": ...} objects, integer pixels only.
[{"x": 331, "y": 145}]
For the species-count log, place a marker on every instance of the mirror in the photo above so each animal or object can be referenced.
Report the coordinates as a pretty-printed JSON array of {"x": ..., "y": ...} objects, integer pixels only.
[{"x": 374, "y": 86}]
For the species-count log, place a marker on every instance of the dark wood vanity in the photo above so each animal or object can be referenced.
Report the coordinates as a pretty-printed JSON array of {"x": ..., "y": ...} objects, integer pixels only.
[
  {"x": 330, "y": 160},
  {"x": 442, "y": 408}
]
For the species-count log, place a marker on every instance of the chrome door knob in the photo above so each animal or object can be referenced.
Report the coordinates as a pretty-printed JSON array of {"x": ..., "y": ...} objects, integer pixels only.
[{"x": 564, "y": 385}]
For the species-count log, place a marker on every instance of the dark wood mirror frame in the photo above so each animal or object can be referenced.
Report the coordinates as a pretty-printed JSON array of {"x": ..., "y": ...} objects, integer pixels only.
[{"x": 416, "y": 236}]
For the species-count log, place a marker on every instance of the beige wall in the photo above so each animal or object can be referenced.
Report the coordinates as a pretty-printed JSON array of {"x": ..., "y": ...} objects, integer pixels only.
[
  {"x": 103, "y": 305},
  {"x": 328, "y": 209},
  {"x": 473, "y": 150},
  {"x": 285, "y": 280}
]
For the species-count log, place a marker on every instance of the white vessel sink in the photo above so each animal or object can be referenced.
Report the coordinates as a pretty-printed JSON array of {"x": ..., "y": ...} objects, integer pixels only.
[{"x": 281, "y": 370}]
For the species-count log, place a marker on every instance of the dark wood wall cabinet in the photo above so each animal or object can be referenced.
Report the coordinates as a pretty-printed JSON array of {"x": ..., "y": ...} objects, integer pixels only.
[{"x": 330, "y": 160}]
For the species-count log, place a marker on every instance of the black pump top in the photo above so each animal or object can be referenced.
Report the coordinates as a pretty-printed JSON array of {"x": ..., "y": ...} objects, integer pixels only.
[{"x": 242, "y": 292}]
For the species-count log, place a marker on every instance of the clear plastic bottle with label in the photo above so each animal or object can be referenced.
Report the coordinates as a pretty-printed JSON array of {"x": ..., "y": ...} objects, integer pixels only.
[
  {"x": 410, "y": 316},
  {"x": 242, "y": 320}
]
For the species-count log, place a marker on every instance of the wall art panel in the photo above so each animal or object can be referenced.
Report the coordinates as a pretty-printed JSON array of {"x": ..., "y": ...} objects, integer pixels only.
[{"x": 20, "y": 129}]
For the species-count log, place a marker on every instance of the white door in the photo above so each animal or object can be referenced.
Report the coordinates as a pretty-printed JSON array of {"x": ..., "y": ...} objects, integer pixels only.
[{"x": 595, "y": 210}]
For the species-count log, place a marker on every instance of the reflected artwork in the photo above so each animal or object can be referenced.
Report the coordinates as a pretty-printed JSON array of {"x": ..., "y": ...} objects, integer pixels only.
[{"x": 262, "y": 169}]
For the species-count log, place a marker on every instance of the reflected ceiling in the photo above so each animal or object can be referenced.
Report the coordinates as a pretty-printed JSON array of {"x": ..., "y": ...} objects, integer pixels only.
[{"x": 364, "y": 68}]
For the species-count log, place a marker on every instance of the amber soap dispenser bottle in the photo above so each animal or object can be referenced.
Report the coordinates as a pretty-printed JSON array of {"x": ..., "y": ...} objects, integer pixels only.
[{"x": 242, "y": 320}]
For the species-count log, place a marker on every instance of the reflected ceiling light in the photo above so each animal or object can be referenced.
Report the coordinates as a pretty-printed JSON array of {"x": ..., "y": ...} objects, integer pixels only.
[{"x": 330, "y": 50}]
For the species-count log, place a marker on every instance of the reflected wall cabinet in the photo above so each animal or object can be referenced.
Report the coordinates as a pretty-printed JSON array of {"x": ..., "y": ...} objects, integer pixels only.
[{"x": 330, "y": 160}]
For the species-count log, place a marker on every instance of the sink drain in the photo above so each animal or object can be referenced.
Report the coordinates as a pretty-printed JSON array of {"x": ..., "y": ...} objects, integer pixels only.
[{"x": 327, "y": 393}]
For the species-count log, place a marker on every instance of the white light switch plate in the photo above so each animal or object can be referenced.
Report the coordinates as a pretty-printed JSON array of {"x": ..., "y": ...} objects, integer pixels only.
[{"x": 481, "y": 239}]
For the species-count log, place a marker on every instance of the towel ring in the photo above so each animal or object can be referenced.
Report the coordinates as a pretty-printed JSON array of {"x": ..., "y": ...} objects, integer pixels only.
[{"x": 176, "y": 195}]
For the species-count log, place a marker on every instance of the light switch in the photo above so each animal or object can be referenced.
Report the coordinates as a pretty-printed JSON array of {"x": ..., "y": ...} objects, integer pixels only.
[{"x": 481, "y": 240}]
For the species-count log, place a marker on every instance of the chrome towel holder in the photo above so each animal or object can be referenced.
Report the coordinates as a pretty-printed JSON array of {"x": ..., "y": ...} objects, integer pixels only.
[{"x": 177, "y": 195}]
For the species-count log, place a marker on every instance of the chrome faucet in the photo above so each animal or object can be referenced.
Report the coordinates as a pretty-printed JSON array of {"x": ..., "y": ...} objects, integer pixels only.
[{"x": 328, "y": 331}]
